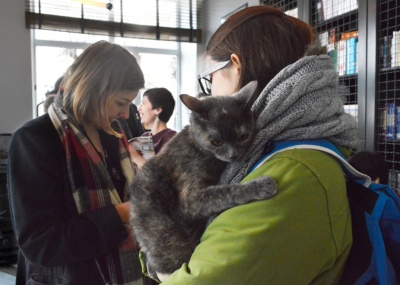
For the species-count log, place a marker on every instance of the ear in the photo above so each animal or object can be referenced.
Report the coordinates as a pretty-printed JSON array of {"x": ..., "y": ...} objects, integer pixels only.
[
  {"x": 247, "y": 94},
  {"x": 237, "y": 63},
  {"x": 191, "y": 102},
  {"x": 158, "y": 111}
]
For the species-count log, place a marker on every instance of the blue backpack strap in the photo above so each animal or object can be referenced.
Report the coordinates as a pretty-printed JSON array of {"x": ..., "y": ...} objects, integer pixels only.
[{"x": 321, "y": 145}]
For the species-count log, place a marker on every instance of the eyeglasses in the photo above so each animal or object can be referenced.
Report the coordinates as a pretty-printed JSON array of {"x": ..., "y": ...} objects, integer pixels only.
[{"x": 205, "y": 79}]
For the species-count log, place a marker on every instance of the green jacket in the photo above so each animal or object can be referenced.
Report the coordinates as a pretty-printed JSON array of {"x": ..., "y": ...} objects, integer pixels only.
[{"x": 300, "y": 236}]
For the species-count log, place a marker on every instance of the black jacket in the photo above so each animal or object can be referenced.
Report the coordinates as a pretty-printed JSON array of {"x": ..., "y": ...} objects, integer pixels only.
[{"x": 57, "y": 245}]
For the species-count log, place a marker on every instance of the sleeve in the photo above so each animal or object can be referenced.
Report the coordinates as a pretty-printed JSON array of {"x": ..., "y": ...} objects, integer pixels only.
[
  {"x": 297, "y": 237},
  {"x": 49, "y": 231}
]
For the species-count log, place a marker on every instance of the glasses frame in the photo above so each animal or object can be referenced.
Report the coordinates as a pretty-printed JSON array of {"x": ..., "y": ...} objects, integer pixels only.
[{"x": 209, "y": 71}]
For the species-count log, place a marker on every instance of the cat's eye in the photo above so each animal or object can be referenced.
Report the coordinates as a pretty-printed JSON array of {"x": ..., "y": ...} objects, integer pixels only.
[
  {"x": 217, "y": 142},
  {"x": 243, "y": 137}
]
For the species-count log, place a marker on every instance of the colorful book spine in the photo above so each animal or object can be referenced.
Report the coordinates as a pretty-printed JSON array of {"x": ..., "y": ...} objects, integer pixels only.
[
  {"x": 341, "y": 57},
  {"x": 394, "y": 49},
  {"x": 390, "y": 121},
  {"x": 351, "y": 56},
  {"x": 398, "y": 123}
]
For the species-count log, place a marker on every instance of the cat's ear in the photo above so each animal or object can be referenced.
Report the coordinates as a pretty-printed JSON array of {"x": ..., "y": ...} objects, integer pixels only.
[
  {"x": 193, "y": 103},
  {"x": 248, "y": 93}
]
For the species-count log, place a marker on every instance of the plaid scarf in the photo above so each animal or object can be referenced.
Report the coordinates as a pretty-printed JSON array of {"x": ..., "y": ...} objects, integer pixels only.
[{"x": 92, "y": 188}]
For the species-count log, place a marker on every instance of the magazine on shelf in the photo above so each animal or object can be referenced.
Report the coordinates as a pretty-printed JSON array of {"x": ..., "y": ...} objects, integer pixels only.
[{"x": 143, "y": 145}]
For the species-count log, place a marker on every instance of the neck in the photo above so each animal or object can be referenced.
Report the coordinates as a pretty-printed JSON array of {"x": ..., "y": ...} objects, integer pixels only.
[{"x": 158, "y": 127}]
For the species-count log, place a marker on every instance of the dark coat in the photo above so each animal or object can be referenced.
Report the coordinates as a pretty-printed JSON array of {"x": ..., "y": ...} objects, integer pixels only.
[{"x": 57, "y": 245}]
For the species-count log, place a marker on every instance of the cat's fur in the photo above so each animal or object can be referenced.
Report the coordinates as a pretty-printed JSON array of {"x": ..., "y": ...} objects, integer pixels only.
[{"x": 177, "y": 191}]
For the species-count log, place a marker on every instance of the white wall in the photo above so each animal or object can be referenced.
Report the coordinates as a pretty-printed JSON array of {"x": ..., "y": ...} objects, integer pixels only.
[
  {"x": 213, "y": 11},
  {"x": 16, "y": 105}
]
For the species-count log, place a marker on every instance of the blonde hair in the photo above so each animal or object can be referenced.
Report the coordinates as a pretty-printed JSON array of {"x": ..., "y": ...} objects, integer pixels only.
[{"x": 101, "y": 71}]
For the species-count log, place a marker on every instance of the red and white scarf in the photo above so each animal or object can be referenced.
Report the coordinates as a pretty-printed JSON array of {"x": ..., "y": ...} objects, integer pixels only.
[{"x": 92, "y": 188}]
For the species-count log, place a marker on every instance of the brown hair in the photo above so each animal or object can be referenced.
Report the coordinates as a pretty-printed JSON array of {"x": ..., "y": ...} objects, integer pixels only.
[
  {"x": 102, "y": 70},
  {"x": 265, "y": 39}
]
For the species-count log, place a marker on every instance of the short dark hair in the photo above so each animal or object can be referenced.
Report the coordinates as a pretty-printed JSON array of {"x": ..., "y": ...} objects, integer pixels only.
[
  {"x": 371, "y": 163},
  {"x": 161, "y": 98}
]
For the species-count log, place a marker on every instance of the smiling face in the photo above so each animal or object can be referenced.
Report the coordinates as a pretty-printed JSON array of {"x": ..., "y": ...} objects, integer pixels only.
[
  {"x": 119, "y": 105},
  {"x": 148, "y": 115}
]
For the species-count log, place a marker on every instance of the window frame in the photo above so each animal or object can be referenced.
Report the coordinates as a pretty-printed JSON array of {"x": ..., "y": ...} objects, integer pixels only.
[{"x": 135, "y": 50}]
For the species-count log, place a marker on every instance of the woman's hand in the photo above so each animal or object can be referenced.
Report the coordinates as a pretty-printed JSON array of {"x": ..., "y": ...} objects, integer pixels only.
[
  {"x": 137, "y": 158},
  {"x": 124, "y": 211}
]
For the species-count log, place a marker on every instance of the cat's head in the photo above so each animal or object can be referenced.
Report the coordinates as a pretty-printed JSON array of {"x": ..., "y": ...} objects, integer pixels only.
[{"x": 223, "y": 125}]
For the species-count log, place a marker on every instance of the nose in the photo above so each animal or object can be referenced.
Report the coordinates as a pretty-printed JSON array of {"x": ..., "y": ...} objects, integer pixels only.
[
  {"x": 233, "y": 154},
  {"x": 124, "y": 114}
]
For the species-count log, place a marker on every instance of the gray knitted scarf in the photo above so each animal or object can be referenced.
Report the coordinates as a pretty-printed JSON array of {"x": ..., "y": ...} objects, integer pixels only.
[{"x": 300, "y": 102}]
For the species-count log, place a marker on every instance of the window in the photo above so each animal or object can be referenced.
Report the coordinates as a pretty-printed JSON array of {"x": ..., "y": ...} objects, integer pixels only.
[
  {"x": 54, "y": 52},
  {"x": 168, "y": 20}
]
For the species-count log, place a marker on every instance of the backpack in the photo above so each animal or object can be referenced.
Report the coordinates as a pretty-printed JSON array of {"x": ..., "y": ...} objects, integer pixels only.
[{"x": 375, "y": 212}]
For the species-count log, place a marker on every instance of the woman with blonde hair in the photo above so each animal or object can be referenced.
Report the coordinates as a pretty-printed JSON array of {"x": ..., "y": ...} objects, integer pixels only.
[{"x": 69, "y": 172}]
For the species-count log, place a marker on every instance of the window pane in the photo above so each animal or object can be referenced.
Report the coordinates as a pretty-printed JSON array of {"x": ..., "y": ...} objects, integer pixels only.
[
  {"x": 160, "y": 71},
  {"x": 51, "y": 63}
]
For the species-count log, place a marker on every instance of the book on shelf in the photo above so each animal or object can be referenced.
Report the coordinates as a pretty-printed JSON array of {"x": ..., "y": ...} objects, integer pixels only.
[
  {"x": 143, "y": 145},
  {"x": 397, "y": 127},
  {"x": 395, "y": 49},
  {"x": 382, "y": 121},
  {"x": 385, "y": 53},
  {"x": 347, "y": 53},
  {"x": 390, "y": 121},
  {"x": 341, "y": 57},
  {"x": 351, "y": 56}
]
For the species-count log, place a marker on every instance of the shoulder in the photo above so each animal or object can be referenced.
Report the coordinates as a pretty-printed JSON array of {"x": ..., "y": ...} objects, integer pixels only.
[
  {"x": 165, "y": 135},
  {"x": 36, "y": 134},
  {"x": 36, "y": 129},
  {"x": 321, "y": 165},
  {"x": 169, "y": 133}
]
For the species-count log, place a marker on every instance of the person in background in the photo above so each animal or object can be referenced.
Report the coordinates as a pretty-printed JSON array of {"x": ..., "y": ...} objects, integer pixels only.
[
  {"x": 132, "y": 126},
  {"x": 51, "y": 95},
  {"x": 373, "y": 164},
  {"x": 303, "y": 234},
  {"x": 69, "y": 172},
  {"x": 155, "y": 111}
]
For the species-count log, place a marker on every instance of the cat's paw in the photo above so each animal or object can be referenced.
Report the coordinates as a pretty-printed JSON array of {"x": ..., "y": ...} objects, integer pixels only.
[{"x": 263, "y": 187}]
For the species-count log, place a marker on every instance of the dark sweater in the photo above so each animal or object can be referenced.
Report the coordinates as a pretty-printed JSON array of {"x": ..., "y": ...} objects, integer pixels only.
[{"x": 57, "y": 245}]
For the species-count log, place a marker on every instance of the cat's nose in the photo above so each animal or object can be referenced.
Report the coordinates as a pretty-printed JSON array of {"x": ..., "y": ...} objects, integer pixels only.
[{"x": 233, "y": 156}]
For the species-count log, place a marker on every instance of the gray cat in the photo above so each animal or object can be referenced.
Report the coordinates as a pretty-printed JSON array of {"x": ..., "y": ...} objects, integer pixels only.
[{"x": 177, "y": 191}]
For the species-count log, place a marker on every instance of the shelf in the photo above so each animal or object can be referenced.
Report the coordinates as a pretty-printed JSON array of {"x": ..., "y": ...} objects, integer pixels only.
[{"x": 344, "y": 23}]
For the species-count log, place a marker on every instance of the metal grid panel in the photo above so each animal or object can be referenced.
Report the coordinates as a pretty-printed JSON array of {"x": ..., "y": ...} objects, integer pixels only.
[
  {"x": 288, "y": 6},
  {"x": 388, "y": 82},
  {"x": 336, "y": 23}
]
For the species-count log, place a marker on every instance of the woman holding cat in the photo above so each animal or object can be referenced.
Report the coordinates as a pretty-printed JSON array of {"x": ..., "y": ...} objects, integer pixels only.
[
  {"x": 69, "y": 172},
  {"x": 303, "y": 234}
]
